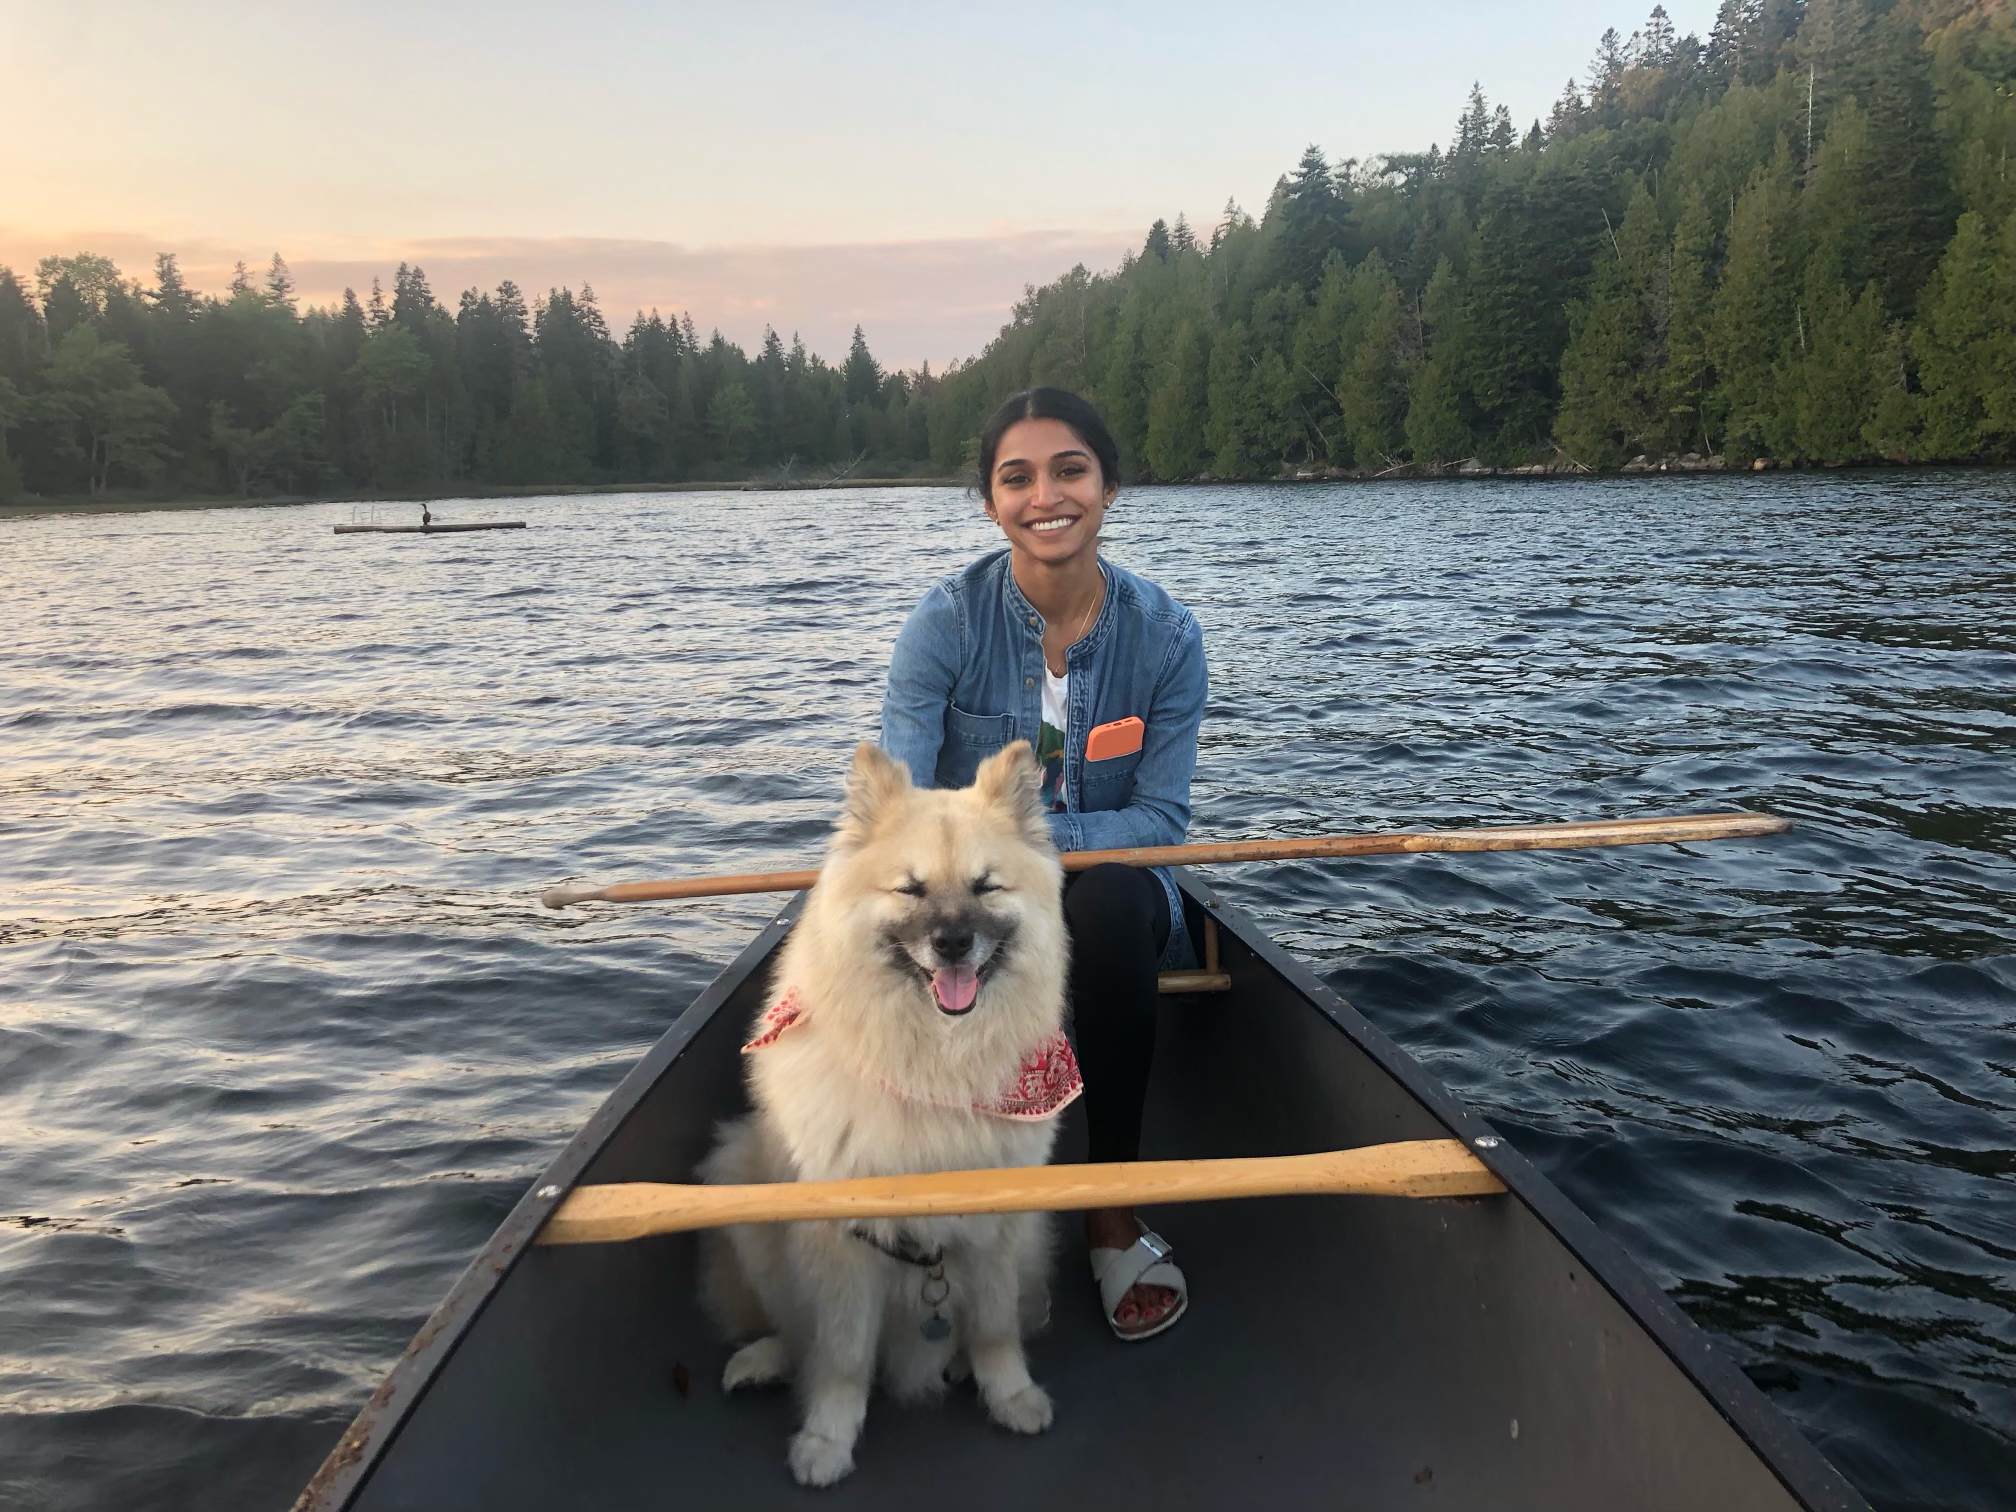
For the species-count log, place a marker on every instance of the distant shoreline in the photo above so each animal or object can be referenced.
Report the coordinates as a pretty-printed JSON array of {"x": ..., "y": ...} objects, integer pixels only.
[
  {"x": 1465, "y": 472},
  {"x": 30, "y": 508}
]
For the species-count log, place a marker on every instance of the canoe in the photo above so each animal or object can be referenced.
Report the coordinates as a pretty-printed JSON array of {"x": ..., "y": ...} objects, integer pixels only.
[
  {"x": 1345, "y": 1352},
  {"x": 427, "y": 529}
]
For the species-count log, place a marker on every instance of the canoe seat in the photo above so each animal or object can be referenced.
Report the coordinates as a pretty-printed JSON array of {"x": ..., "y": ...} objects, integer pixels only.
[{"x": 1209, "y": 978}]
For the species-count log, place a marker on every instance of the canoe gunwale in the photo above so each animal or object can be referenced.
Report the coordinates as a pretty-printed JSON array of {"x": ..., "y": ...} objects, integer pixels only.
[
  {"x": 1799, "y": 1467},
  {"x": 371, "y": 1433}
]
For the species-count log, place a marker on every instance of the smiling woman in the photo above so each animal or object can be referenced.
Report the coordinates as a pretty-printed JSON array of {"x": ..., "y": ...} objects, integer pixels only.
[{"x": 1103, "y": 674}]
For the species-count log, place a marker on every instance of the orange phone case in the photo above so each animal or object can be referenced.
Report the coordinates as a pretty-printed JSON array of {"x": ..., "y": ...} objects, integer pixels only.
[{"x": 1120, "y": 738}]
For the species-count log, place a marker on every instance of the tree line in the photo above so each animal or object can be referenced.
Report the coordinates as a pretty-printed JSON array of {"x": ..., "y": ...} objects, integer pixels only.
[
  {"x": 1794, "y": 240},
  {"x": 106, "y": 382}
]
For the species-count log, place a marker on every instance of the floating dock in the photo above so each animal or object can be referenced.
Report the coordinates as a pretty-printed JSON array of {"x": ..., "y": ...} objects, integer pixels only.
[{"x": 427, "y": 529}]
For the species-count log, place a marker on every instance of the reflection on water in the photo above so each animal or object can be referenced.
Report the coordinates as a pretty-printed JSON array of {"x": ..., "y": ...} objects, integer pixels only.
[{"x": 283, "y": 1032}]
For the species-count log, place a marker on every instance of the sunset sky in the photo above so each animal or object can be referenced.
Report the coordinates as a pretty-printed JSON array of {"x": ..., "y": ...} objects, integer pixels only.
[{"x": 906, "y": 166}]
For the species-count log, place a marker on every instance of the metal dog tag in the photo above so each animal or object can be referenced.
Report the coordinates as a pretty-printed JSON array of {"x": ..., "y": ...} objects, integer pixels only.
[{"x": 933, "y": 1293}]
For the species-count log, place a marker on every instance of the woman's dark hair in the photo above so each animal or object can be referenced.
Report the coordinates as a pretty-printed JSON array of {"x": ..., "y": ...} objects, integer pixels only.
[{"x": 1050, "y": 404}]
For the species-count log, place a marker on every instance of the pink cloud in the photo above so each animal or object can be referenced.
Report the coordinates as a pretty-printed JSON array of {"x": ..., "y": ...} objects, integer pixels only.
[{"x": 916, "y": 300}]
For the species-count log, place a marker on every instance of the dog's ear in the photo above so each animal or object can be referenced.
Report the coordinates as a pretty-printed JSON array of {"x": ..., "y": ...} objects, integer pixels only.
[
  {"x": 876, "y": 780},
  {"x": 1011, "y": 781}
]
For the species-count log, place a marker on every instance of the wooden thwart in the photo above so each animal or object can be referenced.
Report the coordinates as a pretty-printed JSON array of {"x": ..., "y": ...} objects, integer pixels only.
[
  {"x": 1511, "y": 837},
  {"x": 638, "y": 1209}
]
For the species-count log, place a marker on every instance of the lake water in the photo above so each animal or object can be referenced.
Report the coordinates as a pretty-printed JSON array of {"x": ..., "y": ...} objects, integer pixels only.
[{"x": 283, "y": 1032}]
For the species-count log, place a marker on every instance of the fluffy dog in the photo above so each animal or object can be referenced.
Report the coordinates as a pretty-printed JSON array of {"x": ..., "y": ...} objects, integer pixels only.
[{"x": 914, "y": 1024}]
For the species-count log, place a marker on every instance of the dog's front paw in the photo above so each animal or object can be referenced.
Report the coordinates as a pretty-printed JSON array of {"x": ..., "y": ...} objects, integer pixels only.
[
  {"x": 763, "y": 1363},
  {"x": 819, "y": 1461},
  {"x": 1026, "y": 1411}
]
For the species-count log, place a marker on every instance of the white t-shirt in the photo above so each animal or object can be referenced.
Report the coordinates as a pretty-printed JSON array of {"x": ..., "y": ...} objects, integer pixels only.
[
  {"x": 1050, "y": 744},
  {"x": 1056, "y": 699}
]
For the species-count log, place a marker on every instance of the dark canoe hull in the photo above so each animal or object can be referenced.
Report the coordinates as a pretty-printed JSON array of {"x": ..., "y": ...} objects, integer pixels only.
[
  {"x": 1493, "y": 1353},
  {"x": 427, "y": 529}
]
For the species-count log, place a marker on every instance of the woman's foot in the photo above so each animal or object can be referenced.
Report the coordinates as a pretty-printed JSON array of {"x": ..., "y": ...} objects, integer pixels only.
[{"x": 1143, "y": 1307}]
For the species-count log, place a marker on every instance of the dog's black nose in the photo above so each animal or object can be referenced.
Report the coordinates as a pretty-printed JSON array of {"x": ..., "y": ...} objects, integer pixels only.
[{"x": 952, "y": 944}]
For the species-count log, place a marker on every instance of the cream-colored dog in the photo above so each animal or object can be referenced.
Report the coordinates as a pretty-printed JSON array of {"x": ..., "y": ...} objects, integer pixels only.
[{"x": 914, "y": 1024}]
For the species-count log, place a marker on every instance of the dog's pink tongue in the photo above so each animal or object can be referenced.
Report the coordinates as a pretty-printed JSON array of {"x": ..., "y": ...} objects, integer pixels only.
[{"x": 956, "y": 987}]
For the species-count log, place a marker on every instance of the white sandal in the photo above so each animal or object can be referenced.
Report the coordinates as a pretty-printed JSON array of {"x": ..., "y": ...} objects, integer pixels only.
[{"x": 1147, "y": 1262}]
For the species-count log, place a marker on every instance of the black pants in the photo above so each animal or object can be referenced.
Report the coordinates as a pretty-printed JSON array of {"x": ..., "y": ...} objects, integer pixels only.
[{"x": 1119, "y": 921}]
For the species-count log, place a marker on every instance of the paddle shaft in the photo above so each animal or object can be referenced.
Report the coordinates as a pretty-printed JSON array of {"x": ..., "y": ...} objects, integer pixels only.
[
  {"x": 1512, "y": 837},
  {"x": 636, "y": 1210}
]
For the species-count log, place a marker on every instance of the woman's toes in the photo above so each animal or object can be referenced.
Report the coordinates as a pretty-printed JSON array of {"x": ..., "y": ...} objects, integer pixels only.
[{"x": 1143, "y": 1307}]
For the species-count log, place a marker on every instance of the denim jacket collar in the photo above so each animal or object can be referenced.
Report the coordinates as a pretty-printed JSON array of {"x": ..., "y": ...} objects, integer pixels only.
[{"x": 1087, "y": 645}]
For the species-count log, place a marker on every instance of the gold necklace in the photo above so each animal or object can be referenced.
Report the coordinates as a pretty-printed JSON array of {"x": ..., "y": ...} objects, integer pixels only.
[
  {"x": 1084, "y": 623},
  {"x": 1085, "y": 619}
]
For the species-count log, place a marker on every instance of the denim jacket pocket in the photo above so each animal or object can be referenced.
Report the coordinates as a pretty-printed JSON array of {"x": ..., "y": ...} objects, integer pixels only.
[
  {"x": 1107, "y": 784},
  {"x": 985, "y": 733}
]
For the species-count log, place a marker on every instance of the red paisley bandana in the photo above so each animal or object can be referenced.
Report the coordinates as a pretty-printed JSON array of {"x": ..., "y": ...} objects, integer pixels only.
[{"x": 1044, "y": 1085}]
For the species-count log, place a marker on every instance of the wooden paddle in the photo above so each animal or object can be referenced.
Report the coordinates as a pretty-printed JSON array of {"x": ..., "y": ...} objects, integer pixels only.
[
  {"x": 1511, "y": 837},
  {"x": 637, "y": 1209}
]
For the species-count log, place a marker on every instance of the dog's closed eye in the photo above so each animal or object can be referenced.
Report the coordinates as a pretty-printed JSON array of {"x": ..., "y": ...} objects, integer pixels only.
[
  {"x": 985, "y": 883},
  {"x": 910, "y": 887}
]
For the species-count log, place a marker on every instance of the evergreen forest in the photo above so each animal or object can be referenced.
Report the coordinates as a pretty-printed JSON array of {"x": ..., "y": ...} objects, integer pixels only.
[{"x": 1794, "y": 241}]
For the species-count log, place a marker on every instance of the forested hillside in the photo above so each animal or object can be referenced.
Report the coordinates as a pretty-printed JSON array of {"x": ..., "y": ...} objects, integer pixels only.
[
  {"x": 104, "y": 382},
  {"x": 1795, "y": 239}
]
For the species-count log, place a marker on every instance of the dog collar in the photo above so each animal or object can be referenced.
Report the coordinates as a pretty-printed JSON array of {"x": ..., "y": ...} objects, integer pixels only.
[{"x": 1045, "y": 1084}]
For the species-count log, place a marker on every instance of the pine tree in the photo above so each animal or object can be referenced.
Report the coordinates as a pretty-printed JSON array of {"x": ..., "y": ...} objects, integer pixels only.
[
  {"x": 1732, "y": 36},
  {"x": 863, "y": 373},
  {"x": 1503, "y": 136},
  {"x": 1656, "y": 42},
  {"x": 1233, "y": 219},
  {"x": 1312, "y": 218},
  {"x": 1473, "y": 127},
  {"x": 1235, "y": 411},
  {"x": 1911, "y": 203},
  {"x": 1752, "y": 317},
  {"x": 1966, "y": 359},
  {"x": 1372, "y": 389},
  {"x": 731, "y": 423},
  {"x": 172, "y": 298},
  {"x": 1828, "y": 378},
  {"x": 1892, "y": 430},
  {"x": 1464, "y": 167},
  {"x": 1531, "y": 246},
  {"x": 1833, "y": 210},
  {"x": 1436, "y": 430},
  {"x": 1122, "y": 388},
  {"x": 1178, "y": 410},
  {"x": 1606, "y": 72},
  {"x": 1181, "y": 237},
  {"x": 24, "y": 345},
  {"x": 1157, "y": 244},
  {"x": 1565, "y": 119},
  {"x": 412, "y": 301},
  {"x": 280, "y": 283},
  {"x": 1689, "y": 374},
  {"x": 64, "y": 309},
  {"x": 1613, "y": 370}
]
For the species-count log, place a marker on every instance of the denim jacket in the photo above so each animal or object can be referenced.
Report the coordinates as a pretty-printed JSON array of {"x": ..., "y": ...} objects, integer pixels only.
[{"x": 967, "y": 679}]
